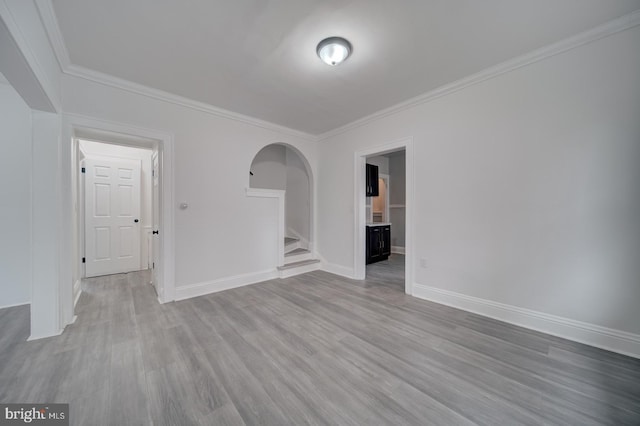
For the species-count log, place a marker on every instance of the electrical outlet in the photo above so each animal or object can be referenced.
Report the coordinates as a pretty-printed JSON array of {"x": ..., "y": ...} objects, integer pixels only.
[{"x": 423, "y": 263}]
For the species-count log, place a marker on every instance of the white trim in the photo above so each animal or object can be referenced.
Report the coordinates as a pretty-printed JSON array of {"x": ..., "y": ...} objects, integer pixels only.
[
  {"x": 76, "y": 122},
  {"x": 397, "y": 249},
  {"x": 52, "y": 29},
  {"x": 614, "y": 26},
  {"x": 359, "y": 258},
  {"x": 14, "y": 305},
  {"x": 332, "y": 268},
  {"x": 279, "y": 194},
  {"x": 221, "y": 284},
  {"x": 590, "y": 334},
  {"x": 77, "y": 290},
  {"x": 129, "y": 86}
]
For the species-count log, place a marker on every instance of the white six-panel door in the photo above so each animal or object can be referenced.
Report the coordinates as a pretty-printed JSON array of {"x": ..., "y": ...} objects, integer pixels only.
[{"x": 112, "y": 213}]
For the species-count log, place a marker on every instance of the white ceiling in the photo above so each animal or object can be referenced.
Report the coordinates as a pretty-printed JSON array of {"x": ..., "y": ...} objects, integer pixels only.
[{"x": 257, "y": 57}]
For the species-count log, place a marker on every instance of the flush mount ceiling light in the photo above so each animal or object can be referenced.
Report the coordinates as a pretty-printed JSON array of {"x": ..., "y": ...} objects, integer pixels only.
[{"x": 333, "y": 50}]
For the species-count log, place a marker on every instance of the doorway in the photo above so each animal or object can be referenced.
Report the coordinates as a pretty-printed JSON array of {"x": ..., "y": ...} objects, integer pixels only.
[
  {"x": 283, "y": 170},
  {"x": 390, "y": 216},
  {"x": 385, "y": 239},
  {"x": 76, "y": 128}
]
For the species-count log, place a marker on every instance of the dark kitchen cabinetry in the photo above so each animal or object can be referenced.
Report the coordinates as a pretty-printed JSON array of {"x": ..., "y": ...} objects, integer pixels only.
[
  {"x": 378, "y": 243},
  {"x": 372, "y": 180}
]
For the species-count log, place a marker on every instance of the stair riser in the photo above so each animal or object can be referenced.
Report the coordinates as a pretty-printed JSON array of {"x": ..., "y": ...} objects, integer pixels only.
[
  {"x": 299, "y": 270},
  {"x": 297, "y": 258},
  {"x": 291, "y": 247}
]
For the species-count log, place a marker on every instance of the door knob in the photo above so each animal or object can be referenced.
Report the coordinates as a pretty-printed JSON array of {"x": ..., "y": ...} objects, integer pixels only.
[
  {"x": 154, "y": 232},
  {"x": 135, "y": 220}
]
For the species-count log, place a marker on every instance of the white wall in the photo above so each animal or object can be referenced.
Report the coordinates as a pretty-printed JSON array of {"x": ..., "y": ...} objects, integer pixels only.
[
  {"x": 397, "y": 176},
  {"x": 144, "y": 155},
  {"x": 48, "y": 245},
  {"x": 15, "y": 190},
  {"x": 526, "y": 188},
  {"x": 269, "y": 168},
  {"x": 220, "y": 235},
  {"x": 297, "y": 199},
  {"x": 27, "y": 57}
]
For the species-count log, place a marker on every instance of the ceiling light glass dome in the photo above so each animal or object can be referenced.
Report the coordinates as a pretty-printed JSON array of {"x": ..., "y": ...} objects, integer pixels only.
[{"x": 333, "y": 50}]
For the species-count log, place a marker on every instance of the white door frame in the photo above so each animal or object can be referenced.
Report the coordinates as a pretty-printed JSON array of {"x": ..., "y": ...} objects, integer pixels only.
[
  {"x": 360, "y": 215},
  {"x": 80, "y": 126}
]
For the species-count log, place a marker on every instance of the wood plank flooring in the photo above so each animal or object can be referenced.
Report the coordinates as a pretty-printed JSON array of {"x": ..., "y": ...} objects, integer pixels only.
[{"x": 312, "y": 349}]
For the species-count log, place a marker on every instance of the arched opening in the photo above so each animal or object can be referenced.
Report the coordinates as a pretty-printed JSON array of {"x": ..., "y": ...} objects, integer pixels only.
[{"x": 281, "y": 167}]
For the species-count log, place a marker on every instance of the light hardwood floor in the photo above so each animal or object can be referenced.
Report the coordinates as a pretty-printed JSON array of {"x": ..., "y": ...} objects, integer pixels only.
[{"x": 312, "y": 349}]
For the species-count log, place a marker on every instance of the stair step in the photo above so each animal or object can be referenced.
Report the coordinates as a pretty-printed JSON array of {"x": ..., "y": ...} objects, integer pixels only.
[
  {"x": 296, "y": 255},
  {"x": 290, "y": 240},
  {"x": 297, "y": 252},
  {"x": 298, "y": 264}
]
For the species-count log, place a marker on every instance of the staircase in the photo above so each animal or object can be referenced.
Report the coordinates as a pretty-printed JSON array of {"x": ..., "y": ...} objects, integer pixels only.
[{"x": 297, "y": 259}]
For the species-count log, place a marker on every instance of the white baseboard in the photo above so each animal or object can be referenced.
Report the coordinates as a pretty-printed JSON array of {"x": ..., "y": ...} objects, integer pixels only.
[
  {"x": 397, "y": 249},
  {"x": 343, "y": 271},
  {"x": 200, "y": 289},
  {"x": 14, "y": 305},
  {"x": 44, "y": 336},
  {"x": 77, "y": 290},
  {"x": 590, "y": 334}
]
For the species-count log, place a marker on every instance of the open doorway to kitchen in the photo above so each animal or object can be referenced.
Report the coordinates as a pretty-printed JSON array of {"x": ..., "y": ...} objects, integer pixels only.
[
  {"x": 383, "y": 216},
  {"x": 385, "y": 206}
]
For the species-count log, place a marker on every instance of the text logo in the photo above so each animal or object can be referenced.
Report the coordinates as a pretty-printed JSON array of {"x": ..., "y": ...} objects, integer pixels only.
[{"x": 34, "y": 414}]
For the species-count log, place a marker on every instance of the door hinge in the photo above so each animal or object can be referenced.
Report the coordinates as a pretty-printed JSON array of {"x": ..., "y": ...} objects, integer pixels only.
[
  {"x": 153, "y": 265},
  {"x": 83, "y": 260},
  {"x": 83, "y": 170}
]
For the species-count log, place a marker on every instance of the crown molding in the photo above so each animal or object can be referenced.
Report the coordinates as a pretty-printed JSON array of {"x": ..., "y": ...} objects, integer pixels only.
[
  {"x": 129, "y": 86},
  {"x": 47, "y": 14},
  {"x": 52, "y": 29},
  {"x": 614, "y": 26}
]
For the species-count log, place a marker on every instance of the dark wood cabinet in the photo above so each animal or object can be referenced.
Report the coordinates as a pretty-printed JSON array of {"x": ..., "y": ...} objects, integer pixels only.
[
  {"x": 386, "y": 241},
  {"x": 378, "y": 243},
  {"x": 372, "y": 189}
]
